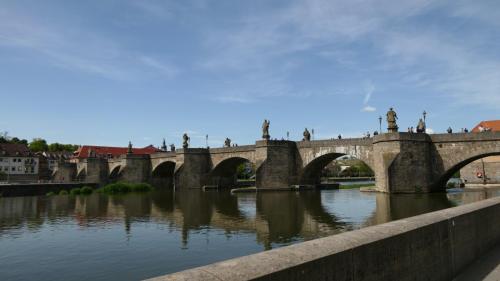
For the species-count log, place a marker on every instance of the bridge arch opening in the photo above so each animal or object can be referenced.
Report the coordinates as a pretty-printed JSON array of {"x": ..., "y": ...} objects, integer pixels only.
[
  {"x": 336, "y": 166},
  {"x": 162, "y": 175},
  {"x": 231, "y": 172},
  {"x": 469, "y": 171},
  {"x": 115, "y": 173}
]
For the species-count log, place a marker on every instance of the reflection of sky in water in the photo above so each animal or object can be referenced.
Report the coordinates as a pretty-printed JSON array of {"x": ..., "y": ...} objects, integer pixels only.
[
  {"x": 246, "y": 204},
  {"x": 97, "y": 237},
  {"x": 351, "y": 205}
]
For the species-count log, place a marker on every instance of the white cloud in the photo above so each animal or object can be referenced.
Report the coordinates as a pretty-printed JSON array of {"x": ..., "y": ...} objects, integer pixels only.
[{"x": 368, "y": 109}]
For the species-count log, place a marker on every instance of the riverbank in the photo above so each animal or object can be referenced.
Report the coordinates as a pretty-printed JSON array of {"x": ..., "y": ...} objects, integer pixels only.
[{"x": 35, "y": 189}]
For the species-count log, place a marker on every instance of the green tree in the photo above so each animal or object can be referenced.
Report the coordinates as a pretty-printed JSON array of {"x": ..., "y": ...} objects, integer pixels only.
[{"x": 38, "y": 145}]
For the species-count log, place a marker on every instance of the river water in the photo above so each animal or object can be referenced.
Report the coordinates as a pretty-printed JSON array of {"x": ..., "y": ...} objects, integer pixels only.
[{"x": 136, "y": 236}]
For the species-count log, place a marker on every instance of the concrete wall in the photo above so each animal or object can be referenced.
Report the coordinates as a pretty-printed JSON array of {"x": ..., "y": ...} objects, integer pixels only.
[{"x": 433, "y": 246}]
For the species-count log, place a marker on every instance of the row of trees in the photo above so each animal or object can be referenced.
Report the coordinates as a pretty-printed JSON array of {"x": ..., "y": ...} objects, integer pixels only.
[{"x": 38, "y": 144}]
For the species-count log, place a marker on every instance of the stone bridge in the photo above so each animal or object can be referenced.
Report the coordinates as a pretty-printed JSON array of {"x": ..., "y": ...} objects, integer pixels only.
[{"x": 402, "y": 162}]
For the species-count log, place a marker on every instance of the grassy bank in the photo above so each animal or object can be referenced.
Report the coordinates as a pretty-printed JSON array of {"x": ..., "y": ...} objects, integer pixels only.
[
  {"x": 125, "y": 187},
  {"x": 353, "y": 186}
]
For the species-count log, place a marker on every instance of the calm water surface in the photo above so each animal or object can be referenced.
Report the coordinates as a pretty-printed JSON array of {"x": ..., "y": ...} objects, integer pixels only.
[{"x": 137, "y": 236}]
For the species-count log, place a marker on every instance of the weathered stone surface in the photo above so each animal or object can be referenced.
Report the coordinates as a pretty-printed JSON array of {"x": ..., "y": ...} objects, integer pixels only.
[
  {"x": 433, "y": 246},
  {"x": 402, "y": 162}
]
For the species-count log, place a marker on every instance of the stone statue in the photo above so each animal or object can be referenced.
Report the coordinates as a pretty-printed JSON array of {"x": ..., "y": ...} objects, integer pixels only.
[
  {"x": 129, "y": 150},
  {"x": 392, "y": 127},
  {"x": 265, "y": 129},
  {"x": 307, "y": 135},
  {"x": 421, "y": 126},
  {"x": 227, "y": 142},
  {"x": 185, "y": 141},
  {"x": 172, "y": 147},
  {"x": 164, "y": 146}
]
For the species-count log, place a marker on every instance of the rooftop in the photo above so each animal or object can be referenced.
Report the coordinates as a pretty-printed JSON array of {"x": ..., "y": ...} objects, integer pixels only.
[{"x": 494, "y": 125}]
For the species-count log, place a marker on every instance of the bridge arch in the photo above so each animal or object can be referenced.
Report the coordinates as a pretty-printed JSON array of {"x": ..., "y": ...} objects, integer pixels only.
[
  {"x": 224, "y": 174},
  {"x": 82, "y": 173},
  {"x": 456, "y": 163},
  {"x": 312, "y": 171},
  {"x": 115, "y": 173},
  {"x": 163, "y": 174}
]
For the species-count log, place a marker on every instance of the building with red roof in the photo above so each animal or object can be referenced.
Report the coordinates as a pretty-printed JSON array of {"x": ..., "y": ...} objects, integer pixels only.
[
  {"x": 486, "y": 169},
  {"x": 110, "y": 151},
  {"x": 491, "y": 125}
]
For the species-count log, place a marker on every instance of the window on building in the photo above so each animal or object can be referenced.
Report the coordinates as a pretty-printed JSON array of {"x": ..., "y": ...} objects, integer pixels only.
[{"x": 13, "y": 169}]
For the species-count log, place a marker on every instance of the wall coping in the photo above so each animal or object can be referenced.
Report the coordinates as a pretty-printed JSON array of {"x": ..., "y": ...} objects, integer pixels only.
[{"x": 266, "y": 263}]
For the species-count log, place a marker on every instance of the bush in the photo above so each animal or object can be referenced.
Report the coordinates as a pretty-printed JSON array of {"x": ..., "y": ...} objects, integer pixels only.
[
  {"x": 74, "y": 191},
  {"x": 141, "y": 187},
  {"x": 123, "y": 187},
  {"x": 63, "y": 192},
  {"x": 86, "y": 190},
  {"x": 50, "y": 193},
  {"x": 451, "y": 185}
]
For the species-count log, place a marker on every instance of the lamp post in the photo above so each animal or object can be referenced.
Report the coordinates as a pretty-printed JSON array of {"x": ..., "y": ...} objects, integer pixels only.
[
  {"x": 425, "y": 124},
  {"x": 380, "y": 124},
  {"x": 287, "y": 135},
  {"x": 312, "y": 131},
  {"x": 206, "y": 140}
]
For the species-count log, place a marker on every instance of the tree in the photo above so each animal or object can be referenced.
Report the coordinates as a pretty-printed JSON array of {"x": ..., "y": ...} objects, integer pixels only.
[{"x": 38, "y": 145}]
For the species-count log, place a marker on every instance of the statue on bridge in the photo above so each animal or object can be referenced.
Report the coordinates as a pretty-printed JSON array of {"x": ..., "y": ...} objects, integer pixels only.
[
  {"x": 307, "y": 135},
  {"x": 129, "y": 150},
  {"x": 227, "y": 142},
  {"x": 265, "y": 129},
  {"x": 185, "y": 141},
  {"x": 421, "y": 126},
  {"x": 164, "y": 145},
  {"x": 392, "y": 127},
  {"x": 172, "y": 147}
]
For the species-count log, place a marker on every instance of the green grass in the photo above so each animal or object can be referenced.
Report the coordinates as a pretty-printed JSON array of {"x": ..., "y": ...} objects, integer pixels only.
[
  {"x": 124, "y": 187},
  {"x": 353, "y": 186}
]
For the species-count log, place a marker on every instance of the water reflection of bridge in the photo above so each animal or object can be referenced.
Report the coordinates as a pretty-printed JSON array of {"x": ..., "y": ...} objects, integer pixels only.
[{"x": 279, "y": 218}]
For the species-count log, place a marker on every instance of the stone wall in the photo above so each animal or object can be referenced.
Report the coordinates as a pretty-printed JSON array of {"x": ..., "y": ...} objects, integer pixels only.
[
  {"x": 491, "y": 169},
  {"x": 433, "y": 246}
]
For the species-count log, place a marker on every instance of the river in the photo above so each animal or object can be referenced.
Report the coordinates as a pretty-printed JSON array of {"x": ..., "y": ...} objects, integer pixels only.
[{"x": 136, "y": 236}]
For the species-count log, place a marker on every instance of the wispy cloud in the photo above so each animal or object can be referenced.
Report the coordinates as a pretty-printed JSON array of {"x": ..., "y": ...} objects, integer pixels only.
[
  {"x": 368, "y": 108},
  {"x": 75, "y": 48}
]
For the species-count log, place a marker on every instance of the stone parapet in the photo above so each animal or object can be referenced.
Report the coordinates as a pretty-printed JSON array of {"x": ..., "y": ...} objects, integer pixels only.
[{"x": 433, "y": 246}]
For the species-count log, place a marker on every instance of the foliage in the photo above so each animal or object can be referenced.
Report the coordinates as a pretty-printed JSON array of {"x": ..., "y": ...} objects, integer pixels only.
[
  {"x": 86, "y": 190},
  {"x": 245, "y": 170},
  {"x": 53, "y": 147},
  {"x": 4, "y": 138},
  {"x": 3, "y": 176},
  {"x": 124, "y": 187},
  {"x": 451, "y": 185},
  {"x": 63, "y": 192},
  {"x": 50, "y": 193},
  {"x": 75, "y": 191},
  {"x": 456, "y": 175},
  {"x": 38, "y": 145},
  {"x": 353, "y": 186}
]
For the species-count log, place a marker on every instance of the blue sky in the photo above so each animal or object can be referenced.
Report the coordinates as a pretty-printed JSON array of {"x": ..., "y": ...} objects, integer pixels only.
[{"x": 108, "y": 71}]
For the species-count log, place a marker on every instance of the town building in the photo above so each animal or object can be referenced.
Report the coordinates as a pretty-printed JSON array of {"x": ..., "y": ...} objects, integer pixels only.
[
  {"x": 486, "y": 169},
  {"x": 109, "y": 152},
  {"x": 17, "y": 163}
]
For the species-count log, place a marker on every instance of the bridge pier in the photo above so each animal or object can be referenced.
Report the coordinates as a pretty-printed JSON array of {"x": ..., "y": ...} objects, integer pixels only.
[
  {"x": 195, "y": 168},
  {"x": 276, "y": 164},
  {"x": 137, "y": 168}
]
